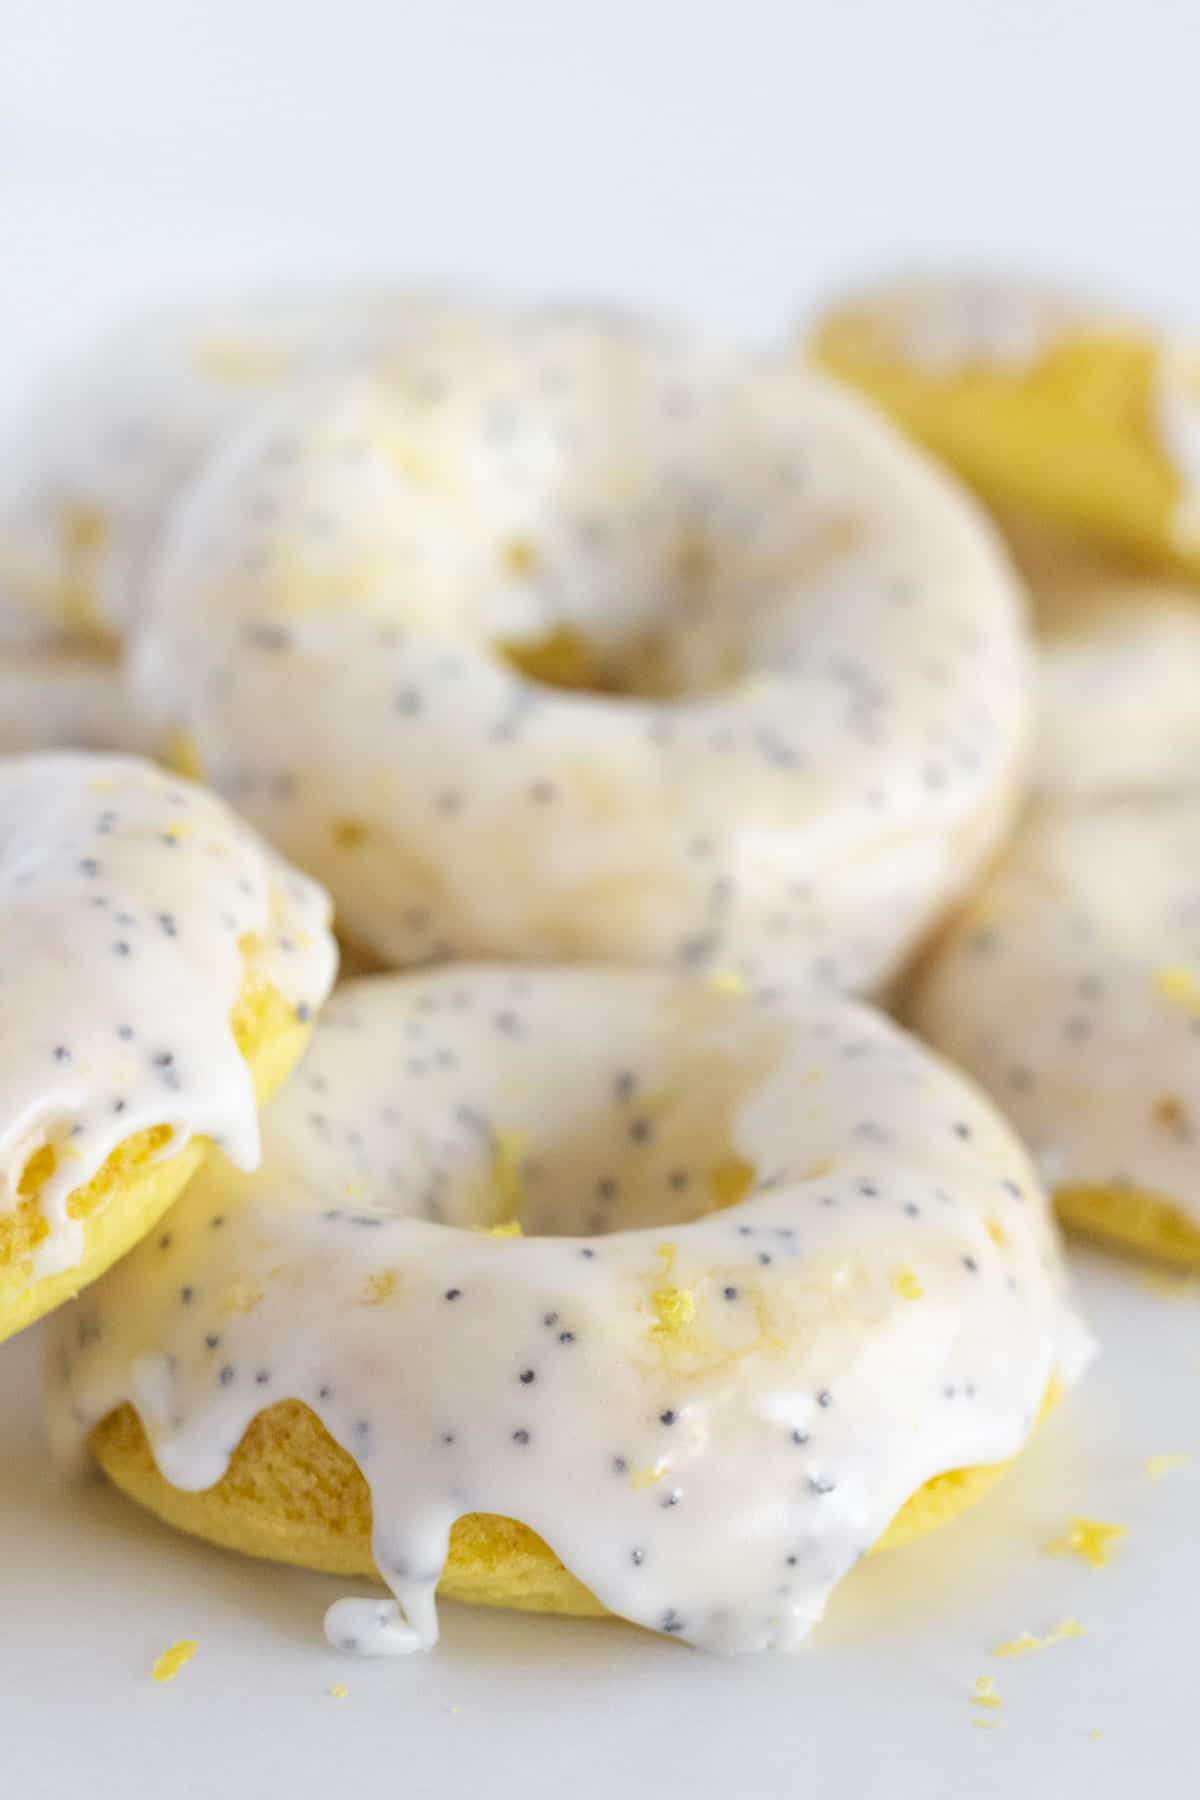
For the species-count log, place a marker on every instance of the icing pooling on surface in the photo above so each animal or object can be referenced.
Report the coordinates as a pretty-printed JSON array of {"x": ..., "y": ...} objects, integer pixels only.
[
  {"x": 805, "y": 661},
  {"x": 1071, "y": 985},
  {"x": 709, "y": 1415},
  {"x": 128, "y": 902},
  {"x": 113, "y": 435}
]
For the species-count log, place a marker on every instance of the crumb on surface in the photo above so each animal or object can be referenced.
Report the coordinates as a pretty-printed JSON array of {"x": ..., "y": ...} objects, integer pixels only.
[
  {"x": 1027, "y": 1642},
  {"x": 339, "y": 1690},
  {"x": 1164, "y": 1464},
  {"x": 171, "y": 1661},
  {"x": 985, "y": 1692},
  {"x": 1093, "y": 1540}
]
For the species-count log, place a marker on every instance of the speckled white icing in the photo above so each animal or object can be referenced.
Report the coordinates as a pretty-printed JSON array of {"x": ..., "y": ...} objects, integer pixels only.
[
  {"x": 947, "y": 324},
  {"x": 710, "y": 1418},
  {"x": 110, "y": 438},
  {"x": 1071, "y": 986},
  {"x": 126, "y": 899},
  {"x": 1177, "y": 414},
  {"x": 820, "y": 673}
]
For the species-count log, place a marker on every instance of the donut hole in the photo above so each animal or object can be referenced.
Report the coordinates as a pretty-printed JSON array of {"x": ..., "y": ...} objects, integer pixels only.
[
  {"x": 635, "y": 1123},
  {"x": 680, "y": 626},
  {"x": 588, "y": 1183},
  {"x": 647, "y": 665}
]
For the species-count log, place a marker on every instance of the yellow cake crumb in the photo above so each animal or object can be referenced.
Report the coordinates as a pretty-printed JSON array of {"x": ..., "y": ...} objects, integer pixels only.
[
  {"x": 1158, "y": 1466},
  {"x": 644, "y": 1478},
  {"x": 1091, "y": 1539},
  {"x": 730, "y": 1180},
  {"x": 906, "y": 1283},
  {"x": 1027, "y": 1642},
  {"x": 985, "y": 1692},
  {"x": 339, "y": 1690},
  {"x": 727, "y": 981},
  {"x": 171, "y": 1661},
  {"x": 986, "y": 1724},
  {"x": 507, "y": 1155}
]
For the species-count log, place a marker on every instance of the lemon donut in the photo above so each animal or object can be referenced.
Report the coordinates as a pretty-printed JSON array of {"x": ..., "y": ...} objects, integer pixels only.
[
  {"x": 157, "y": 963},
  {"x": 682, "y": 1289},
  {"x": 1086, "y": 418},
  {"x": 1070, "y": 986},
  {"x": 566, "y": 639},
  {"x": 111, "y": 436}
]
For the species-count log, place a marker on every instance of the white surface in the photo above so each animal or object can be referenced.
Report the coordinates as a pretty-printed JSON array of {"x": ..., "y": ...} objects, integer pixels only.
[
  {"x": 727, "y": 157},
  {"x": 878, "y": 1704},
  {"x": 733, "y": 162}
]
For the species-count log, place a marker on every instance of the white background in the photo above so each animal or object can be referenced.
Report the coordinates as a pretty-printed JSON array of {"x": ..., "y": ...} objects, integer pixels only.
[
  {"x": 733, "y": 162},
  {"x": 730, "y": 158}
]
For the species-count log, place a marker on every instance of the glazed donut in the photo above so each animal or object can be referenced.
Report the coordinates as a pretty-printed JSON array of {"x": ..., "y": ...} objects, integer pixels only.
[
  {"x": 566, "y": 639},
  {"x": 1088, "y": 419},
  {"x": 107, "y": 441},
  {"x": 157, "y": 965},
  {"x": 584, "y": 1289},
  {"x": 1070, "y": 986}
]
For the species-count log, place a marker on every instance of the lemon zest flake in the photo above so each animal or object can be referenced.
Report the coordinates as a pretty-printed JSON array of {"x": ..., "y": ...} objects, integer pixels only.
[
  {"x": 1180, "y": 985},
  {"x": 1027, "y": 1642},
  {"x": 379, "y": 1287},
  {"x": 1091, "y": 1539},
  {"x": 906, "y": 1283},
  {"x": 171, "y": 1661},
  {"x": 1164, "y": 1464},
  {"x": 985, "y": 1692}
]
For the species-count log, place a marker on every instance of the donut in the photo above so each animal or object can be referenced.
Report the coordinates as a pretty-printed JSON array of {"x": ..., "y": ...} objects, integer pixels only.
[
  {"x": 583, "y": 1289},
  {"x": 1070, "y": 985},
  {"x": 158, "y": 966},
  {"x": 549, "y": 637},
  {"x": 108, "y": 439},
  {"x": 1089, "y": 419}
]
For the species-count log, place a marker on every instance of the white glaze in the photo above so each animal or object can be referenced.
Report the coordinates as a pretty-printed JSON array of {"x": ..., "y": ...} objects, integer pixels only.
[
  {"x": 887, "y": 1303},
  {"x": 839, "y": 640},
  {"x": 125, "y": 897},
  {"x": 1070, "y": 987},
  {"x": 112, "y": 435},
  {"x": 1119, "y": 690}
]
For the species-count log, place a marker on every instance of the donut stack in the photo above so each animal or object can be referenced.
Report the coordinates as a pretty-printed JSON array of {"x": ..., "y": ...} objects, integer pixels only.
[{"x": 648, "y": 709}]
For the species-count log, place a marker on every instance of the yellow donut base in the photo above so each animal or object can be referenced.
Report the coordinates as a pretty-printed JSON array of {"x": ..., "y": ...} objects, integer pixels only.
[
  {"x": 1133, "y": 1219},
  {"x": 1072, "y": 437},
  {"x": 291, "y": 1494},
  {"x": 137, "y": 1184}
]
